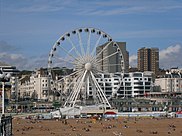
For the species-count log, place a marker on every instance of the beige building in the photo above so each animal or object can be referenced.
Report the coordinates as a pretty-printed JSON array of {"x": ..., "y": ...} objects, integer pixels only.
[
  {"x": 35, "y": 86},
  {"x": 171, "y": 83},
  {"x": 114, "y": 63},
  {"x": 148, "y": 60}
]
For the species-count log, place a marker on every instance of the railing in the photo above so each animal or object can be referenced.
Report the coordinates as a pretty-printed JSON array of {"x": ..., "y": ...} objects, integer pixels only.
[{"x": 6, "y": 126}]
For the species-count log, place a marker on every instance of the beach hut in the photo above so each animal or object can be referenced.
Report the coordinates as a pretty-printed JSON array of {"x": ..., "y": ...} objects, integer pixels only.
[
  {"x": 110, "y": 114},
  {"x": 179, "y": 114}
]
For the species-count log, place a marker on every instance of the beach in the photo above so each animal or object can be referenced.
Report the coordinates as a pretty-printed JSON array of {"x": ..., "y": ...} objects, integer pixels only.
[{"x": 123, "y": 126}]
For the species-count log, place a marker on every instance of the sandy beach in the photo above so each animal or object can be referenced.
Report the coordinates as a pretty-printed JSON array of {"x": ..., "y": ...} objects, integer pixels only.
[{"x": 90, "y": 127}]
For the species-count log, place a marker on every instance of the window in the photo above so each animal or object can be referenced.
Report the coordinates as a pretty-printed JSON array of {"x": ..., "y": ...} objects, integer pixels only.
[
  {"x": 137, "y": 75},
  {"x": 138, "y": 83},
  {"x": 138, "y": 87},
  {"x": 147, "y": 83},
  {"x": 127, "y": 84},
  {"x": 147, "y": 87}
]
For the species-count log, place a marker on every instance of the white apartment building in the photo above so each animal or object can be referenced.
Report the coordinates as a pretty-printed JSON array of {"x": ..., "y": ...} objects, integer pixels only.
[
  {"x": 135, "y": 84},
  {"x": 8, "y": 69},
  {"x": 35, "y": 86},
  {"x": 170, "y": 83},
  {"x": 175, "y": 70},
  {"x": 14, "y": 87},
  {"x": 109, "y": 83}
]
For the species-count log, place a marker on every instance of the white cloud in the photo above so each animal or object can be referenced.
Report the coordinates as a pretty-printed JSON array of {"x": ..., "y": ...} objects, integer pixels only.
[
  {"x": 118, "y": 7},
  {"x": 23, "y": 63},
  {"x": 171, "y": 50},
  {"x": 133, "y": 60},
  {"x": 4, "y": 46},
  {"x": 39, "y": 8},
  {"x": 34, "y": 6},
  {"x": 19, "y": 60},
  {"x": 94, "y": 7},
  {"x": 152, "y": 33},
  {"x": 171, "y": 57},
  {"x": 13, "y": 59}
]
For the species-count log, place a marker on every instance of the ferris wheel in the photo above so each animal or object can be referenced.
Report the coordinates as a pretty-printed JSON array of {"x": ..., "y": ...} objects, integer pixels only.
[{"x": 88, "y": 52}]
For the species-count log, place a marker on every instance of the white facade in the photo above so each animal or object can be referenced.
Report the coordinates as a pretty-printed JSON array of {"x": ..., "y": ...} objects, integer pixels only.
[
  {"x": 175, "y": 70},
  {"x": 135, "y": 84},
  {"x": 169, "y": 84},
  {"x": 35, "y": 86},
  {"x": 14, "y": 87},
  {"x": 109, "y": 83}
]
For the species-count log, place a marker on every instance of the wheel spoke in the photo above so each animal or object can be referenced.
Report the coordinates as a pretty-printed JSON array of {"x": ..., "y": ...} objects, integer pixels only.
[
  {"x": 96, "y": 44},
  {"x": 67, "y": 52},
  {"x": 107, "y": 57},
  {"x": 73, "y": 45},
  {"x": 98, "y": 89},
  {"x": 74, "y": 73},
  {"x": 81, "y": 44},
  {"x": 74, "y": 91},
  {"x": 106, "y": 65},
  {"x": 95, "y": 92},
  {"x": 79, "y": 87},
  {"x": 102, "y": 95},
  {"x": 88, "y": 43},
  {"x": 105, "y": 47},
  {"x": 59, "y": 58}
]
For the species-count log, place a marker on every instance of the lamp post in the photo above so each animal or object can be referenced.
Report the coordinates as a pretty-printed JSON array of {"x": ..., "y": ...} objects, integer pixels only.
[
  {"x": 3, "y": 83},
  {"x": 3, "y": 78}
]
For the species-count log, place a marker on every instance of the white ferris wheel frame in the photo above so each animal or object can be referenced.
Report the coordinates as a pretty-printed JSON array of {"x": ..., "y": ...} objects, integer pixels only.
[{"x": 85, "y": 63}]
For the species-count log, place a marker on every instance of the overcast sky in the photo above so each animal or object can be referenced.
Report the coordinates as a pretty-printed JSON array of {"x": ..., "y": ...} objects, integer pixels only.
[{"x": 29, "y": 28}]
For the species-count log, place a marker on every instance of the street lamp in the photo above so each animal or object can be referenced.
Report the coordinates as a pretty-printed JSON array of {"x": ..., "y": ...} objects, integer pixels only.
[{"x": 3, "y": 78}]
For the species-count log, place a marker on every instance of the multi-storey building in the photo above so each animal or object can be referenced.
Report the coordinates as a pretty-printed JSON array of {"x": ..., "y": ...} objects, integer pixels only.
[
  {"x": 8, "y": 68},
  {"x": 170, "y": 83},
  {"x": 128, "y": 85},
  {"x": 114, "y": 63},
  {"x": 11, "y": 87},
  {"x": 175, "y": 70},
  {"x": 148, "y": 60},
  {"x": 35, "y": 86},
  {"x": 109, "y": 83},
  {"x": 135, "y": 84}
]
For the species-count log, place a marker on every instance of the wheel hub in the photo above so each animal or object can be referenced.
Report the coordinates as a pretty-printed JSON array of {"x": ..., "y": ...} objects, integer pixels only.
[{"x": 88, "y": 66}]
